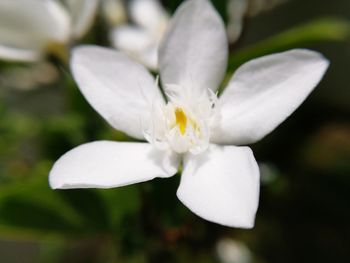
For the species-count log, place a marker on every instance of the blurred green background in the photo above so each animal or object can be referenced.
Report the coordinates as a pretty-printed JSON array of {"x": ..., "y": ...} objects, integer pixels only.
[{"x": 304, "y": 213}]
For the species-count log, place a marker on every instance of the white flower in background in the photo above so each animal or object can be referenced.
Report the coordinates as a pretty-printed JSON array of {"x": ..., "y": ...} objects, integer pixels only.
[
  {"x": 258, "y": 6},
  {"x": 114, "y": 12},
  {"x": 31, "y": 28},
  {"x": 237, "y": 10},
  {"x": 233, "y": 251},
  {"x": 220, "y": 180},
  {"x": 142, "y": 38},
  {"x": 82, "y": 14}
]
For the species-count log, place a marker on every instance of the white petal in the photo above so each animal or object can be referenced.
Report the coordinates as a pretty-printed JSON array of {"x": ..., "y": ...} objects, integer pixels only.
[
  {"x": 29, "y": 27},
  {"x": 121, "y": 90},
  {"x": 193, "y": 53},
  {"x": 264, "y": 92},
  {"x": 148, "y": 14},
  {"x": 82, "y": 13},
  {"x": 222, "y": 185},
  {"x": 138, "y": 43},
  {"x": 105, "y": 164}
]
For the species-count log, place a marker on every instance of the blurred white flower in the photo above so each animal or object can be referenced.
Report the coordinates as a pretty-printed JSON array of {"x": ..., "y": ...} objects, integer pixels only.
[
  {"x": 232, "y": 251},
  {"x": 114, "y": 12},
  {"x": 141, "y": 39},
  {"x": 220, "y": 180},
  {"x": 258, "y": 6},
  {"x": 237, "y": 10},
  {"x": 82, "y": 14},
  {"x": 31, "y": 28}
]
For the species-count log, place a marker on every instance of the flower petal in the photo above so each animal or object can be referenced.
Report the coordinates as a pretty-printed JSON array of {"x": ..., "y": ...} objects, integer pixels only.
[
  {"x": 148, "y": 14},
  {"x": 264, "y": 92},
  {"x": 138, "y": 43},
  {"x": 193, "y": 53},
  {"x": 118, "y": 88},
  {"x": 222, "y": 185},
  {"x": 105, "y": 164},
  {"x": 19, "y": 54},
  {"x": 82, "y": 13},
  {"x": 29, "y": 27}
]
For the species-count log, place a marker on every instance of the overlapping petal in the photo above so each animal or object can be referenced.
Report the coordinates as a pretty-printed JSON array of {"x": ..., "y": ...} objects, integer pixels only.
[
  {"x": 106, "y": 164},
  {"x": 264, "y": 92},
  {"x": 222, "y": 185},
  {"x": 193, "y": 53},
  {"x": 29, "y": 27},
  {"x": 121, "y": 90}
]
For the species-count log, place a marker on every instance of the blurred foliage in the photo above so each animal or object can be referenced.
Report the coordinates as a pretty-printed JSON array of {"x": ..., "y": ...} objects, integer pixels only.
[
  {"x": 320, "y": 30},
  {"x": 305, "y": 167}
]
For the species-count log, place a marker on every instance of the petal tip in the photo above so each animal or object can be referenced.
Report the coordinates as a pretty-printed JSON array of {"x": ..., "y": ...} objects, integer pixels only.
[
  {"x": 313, "y": 55},
  {"x": 247, "y": 223},
  {"x": 54, "y": 182}
]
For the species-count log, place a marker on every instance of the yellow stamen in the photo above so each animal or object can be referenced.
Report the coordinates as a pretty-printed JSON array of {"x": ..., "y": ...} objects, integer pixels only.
[{"x": 181, "y": 120}]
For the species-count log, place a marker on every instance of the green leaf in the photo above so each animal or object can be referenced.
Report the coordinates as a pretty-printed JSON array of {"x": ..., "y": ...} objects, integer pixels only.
[
  {"x": 122, "y": 202},
  {"x": 90, "y": 205},
  {"x": 30, "y": 204},
  {"x": 20, "y": 212}
]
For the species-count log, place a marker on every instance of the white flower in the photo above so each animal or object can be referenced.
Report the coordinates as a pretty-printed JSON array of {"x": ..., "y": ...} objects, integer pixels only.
[
  {"x": 141, "y": 39},
  {"x": 220, "y": 181},
  {"x": 31, "y": 28}
]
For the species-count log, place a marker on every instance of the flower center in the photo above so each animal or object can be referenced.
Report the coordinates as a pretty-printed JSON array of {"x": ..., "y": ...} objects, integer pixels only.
[
  {"x": 183, "y": 124},
  {"x": 181, "y": 120}
]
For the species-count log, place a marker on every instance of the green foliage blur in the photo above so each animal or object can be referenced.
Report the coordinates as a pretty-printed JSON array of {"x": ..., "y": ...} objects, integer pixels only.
[{"x": 304, "y": 213}]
